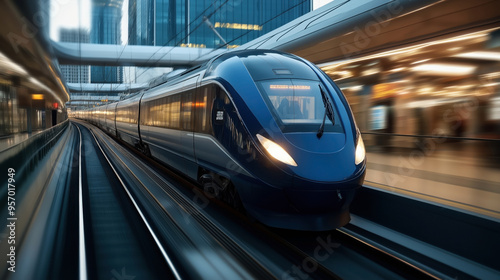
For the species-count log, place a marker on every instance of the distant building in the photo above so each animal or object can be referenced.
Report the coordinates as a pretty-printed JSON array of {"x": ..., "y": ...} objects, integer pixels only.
[
  {"x": 140, "y": 22},
  {"x": 198, "y": 23},
  {"x": 106, "y": 29},
  {"x": 75, "y": 73}
]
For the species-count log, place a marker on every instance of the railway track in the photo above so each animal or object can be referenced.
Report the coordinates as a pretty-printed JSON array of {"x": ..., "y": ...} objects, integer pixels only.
[
  {"x": 282, "y": 257},
  {"x": 115, "y": 239},
  {"x": 224, "y": 243},
  {"x": 121, "y": 216},
  {"x": 181, "y": 229}
]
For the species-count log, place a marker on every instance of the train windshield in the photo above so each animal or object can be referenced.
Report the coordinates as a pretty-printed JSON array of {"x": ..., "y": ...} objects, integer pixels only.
[{"x": 297, "y": 105}]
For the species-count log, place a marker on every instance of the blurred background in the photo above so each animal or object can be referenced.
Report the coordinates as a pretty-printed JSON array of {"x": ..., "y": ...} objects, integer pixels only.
[{"x": 422, "y": 79}]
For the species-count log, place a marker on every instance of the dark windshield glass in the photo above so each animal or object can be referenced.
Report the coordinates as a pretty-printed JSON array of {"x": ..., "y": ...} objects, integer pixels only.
[{"x": 296, "y": 105}]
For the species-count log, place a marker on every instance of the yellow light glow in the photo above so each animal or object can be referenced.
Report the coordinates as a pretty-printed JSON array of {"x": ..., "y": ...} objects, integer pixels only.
[
  {"x": 344, "y": 74},
  {"x": 355, "y": 88},
  {"x": 242, "y": 26},
  {"x": 199, "y": 104},
  {"x": 360, "y": 151},
  {"x": 445, "y": 69},
  {"x": 276, "y": 151},
  {"x": 482, "y": 35},
  {"x": 482, "y": 55},
  {"x": 37, "y": 96},
  {"x": 201, "y": 46},
  {"x": 297, "y": 87},
  {"x": 385, "y": 90}
]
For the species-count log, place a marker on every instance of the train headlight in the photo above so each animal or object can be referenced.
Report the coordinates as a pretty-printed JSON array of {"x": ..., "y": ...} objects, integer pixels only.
[
  {"x": 276, "y": 151},
  {"x": 360, "y": 151}
]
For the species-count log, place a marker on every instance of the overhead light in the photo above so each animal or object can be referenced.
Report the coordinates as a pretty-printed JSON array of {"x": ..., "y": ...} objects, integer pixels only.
[
  {"x": 355, "y": 88},
  {"x": 492, "y": 75},
  {"x": 491, "y": 84},
  {"x": 421, "y": 61},
  {"x": 370, "y": 71},
  {"x": 399, "y": 69},
  {"x": 454, "y": 49},
  {"x": 344, "y": 74},
  {"x": 37, "y": 96},
  {"x": 480, "y": 35},
  {"x": 7, "y": 64},
  {"x": 443, "y": 69},
  {"x": 482, "y": 55}
]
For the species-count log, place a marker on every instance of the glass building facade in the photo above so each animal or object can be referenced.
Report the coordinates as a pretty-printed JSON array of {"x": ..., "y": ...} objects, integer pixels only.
[
  {"x": 208, "y": 23},
  {"x": 75, "y": 73},
  {"x": 140, "y": 22},
  {"x": 106, "y": 29}
]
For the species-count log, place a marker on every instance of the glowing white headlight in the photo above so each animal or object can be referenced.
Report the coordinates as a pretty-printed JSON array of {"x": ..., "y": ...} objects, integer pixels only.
[
  {"x": 360, "y": 151},
  {"x": 276, "y": 151}
]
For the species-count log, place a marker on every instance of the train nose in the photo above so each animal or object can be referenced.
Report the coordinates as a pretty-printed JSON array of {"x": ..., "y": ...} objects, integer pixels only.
[
  {"x": 328, "y": 143},
  {"x": 329, "y": 158},
  {"x": 311, "y": 197},
  {"x": 320, "y": 201}
]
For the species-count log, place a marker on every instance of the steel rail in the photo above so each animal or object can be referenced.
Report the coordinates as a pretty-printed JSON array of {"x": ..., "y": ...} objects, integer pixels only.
[
  {"x": 153, "y": 235},
  {"x": 423, "y": 274},
  {"x": 229, "y": 243},
  {"x": 82, "y": 263}
]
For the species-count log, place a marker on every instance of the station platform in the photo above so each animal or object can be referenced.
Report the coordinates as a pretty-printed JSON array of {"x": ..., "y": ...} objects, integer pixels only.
[
  {"x": 14, "y": 139},
  {"x": 463, "y": 175}
]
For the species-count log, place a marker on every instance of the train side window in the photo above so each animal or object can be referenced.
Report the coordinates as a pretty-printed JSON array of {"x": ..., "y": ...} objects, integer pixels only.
[
  {"x": 159, "y": 116},
  {"x": 147, "y": 111},
  {"x": 200, "y": 108},
  {"x": 126, "y": 114},
  {"x": 144, "y": 113},
  {"x": 160, "y": 112},
  {"x": 175, "y": 109},
  {"x": 168, "y": 111},
  {"x": 186, "y": 110},
  {"x": 152, "y": 112},
  {"x": 203, "y": 108},
  {"x": 129, "y": 114},
  {"x": 133, "y": 114}
]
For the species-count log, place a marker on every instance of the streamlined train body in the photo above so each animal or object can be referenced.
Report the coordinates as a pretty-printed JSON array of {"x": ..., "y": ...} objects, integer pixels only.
[{"x": 262, "y": 130}]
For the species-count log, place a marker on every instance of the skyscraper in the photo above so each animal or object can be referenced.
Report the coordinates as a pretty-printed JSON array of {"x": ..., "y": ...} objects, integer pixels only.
[
  {"x": 140, "y": 22},
  {"x": 75, "y": 73},
  {"x": 239, "y": 21},
  {"x": 208, "y": 23},
  {"x": 106, "y": 29}
]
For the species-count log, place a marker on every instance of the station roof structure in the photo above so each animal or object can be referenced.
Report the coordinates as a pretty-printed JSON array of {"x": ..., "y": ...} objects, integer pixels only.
[
  {"x": 120, "y": 55},
  {"x": 321, "y": 36},
  {"x": 337, "y": 32}
]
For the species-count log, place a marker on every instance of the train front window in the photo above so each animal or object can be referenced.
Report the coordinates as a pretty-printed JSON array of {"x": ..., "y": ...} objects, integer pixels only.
[{"x": 297, "y": 105}]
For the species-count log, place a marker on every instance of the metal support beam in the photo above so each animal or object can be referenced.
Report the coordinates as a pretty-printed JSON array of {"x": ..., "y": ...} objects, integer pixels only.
[
  {"x": 77, "y": 87},
  {"x": 127, "y": 55}
]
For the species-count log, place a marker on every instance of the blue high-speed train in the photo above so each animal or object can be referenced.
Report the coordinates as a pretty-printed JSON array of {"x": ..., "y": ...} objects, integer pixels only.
[{"x": 262, "y": 130}]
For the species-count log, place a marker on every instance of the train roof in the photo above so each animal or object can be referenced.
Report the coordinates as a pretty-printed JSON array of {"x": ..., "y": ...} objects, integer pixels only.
[
  {"x": 261, "y": 64},
  {"x": 267, "y": 64}
]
